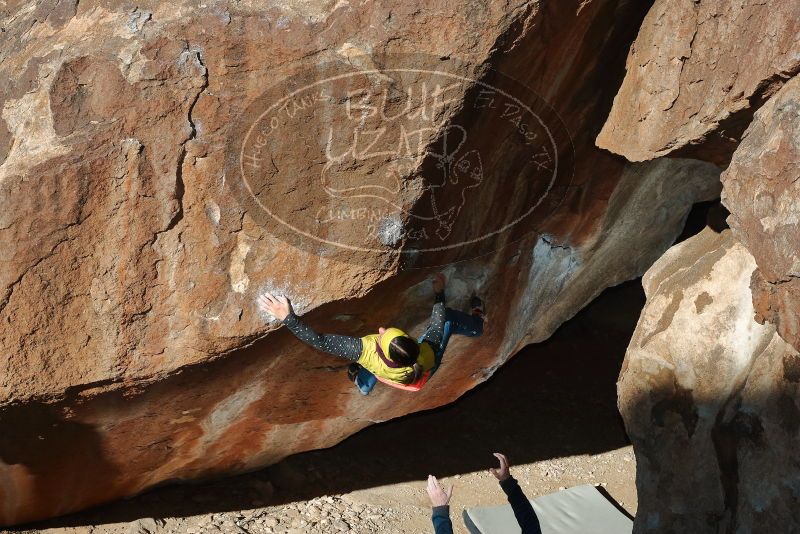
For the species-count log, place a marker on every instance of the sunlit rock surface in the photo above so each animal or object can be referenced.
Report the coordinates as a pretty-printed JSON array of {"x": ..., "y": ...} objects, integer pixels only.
[
  {"x": 709, "y": 388},
  {"x": 762, "y": 191},
  {"x": 131, "y": 352},
  {"x": 697, "y": 72},
  {"x": 710, "y": 398}
]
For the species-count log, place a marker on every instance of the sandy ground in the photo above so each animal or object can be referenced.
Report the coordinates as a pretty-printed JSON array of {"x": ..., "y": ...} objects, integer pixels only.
[{"x": 552, "y": 410}]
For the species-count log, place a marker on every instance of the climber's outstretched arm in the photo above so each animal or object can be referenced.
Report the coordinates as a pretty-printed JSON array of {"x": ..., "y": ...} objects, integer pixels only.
[{"x": 343, "y": 346}]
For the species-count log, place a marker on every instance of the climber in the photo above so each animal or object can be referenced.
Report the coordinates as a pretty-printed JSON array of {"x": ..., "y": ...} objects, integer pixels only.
[{"x": 390, "y": 356}]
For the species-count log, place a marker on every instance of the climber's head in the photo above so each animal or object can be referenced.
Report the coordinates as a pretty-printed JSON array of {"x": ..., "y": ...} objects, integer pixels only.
[{"x": 398, "y": 346}]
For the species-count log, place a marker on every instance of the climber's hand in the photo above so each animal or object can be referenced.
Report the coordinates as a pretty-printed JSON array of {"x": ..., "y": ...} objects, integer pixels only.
[
  {"x": 439, "y": 497},
  {"x": 438, "y": 283},
  {"x": 278, "y": 307},
  {"x": 502, "y": 472}
]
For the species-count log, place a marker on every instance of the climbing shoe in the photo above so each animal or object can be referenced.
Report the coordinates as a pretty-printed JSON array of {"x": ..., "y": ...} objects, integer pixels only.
[{"x": 476, "y": 305}]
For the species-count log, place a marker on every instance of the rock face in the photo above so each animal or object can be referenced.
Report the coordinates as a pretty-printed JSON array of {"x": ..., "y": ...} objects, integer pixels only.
[
  {"x": 132, "y": 257},
  {"x": 697, "y": 72},
  {"x": 708, "y": 390},
  {"x": 761, "y": 189},
  {"x": 710, "y": 398}
]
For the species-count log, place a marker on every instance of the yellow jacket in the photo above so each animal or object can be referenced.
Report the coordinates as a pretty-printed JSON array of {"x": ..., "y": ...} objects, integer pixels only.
[{"x": 372, "y": 362}]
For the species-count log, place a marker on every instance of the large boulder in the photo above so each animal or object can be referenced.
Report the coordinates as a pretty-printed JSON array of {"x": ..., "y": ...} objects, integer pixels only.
[
  {"x": 709, "y": 387},
  {"x": 131, "y": 352},
  {"x": 762, "y": 192},
  {"x": 711, "y": 398},
  {"x": 697, "y": 72}
]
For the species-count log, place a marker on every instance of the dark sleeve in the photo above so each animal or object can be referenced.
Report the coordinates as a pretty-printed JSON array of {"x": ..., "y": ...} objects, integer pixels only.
[
  {"x": 344, "y": 346},
  {"x": 436, "y": 327},
  {"x": 441, "y": 520},
  {"x": 523, "y": 509}
]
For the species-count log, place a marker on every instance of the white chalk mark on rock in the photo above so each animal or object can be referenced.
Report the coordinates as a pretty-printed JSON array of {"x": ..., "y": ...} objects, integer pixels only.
[
  {"x": 239, "y": 278},
  {"x": 390, "y": 230},
  {"x": 213, "y": 212}
]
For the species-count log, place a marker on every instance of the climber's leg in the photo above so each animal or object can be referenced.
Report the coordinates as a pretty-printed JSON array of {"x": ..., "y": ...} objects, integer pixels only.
[
  {"x": 363, "y": 379},
  {"x": 456, "y": 322},
  {"x": 439, "y": 354},
  {"x": 463, "y": 324}
]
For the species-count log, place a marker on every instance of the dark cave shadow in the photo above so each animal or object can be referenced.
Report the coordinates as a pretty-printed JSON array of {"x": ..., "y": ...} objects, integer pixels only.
[
  {"x": 709, "y": 213},
  {"x": 554, "y": 399}
]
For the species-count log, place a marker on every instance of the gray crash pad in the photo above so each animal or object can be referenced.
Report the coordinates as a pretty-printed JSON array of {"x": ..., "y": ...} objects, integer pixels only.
[{"x": 578, "y": 510}]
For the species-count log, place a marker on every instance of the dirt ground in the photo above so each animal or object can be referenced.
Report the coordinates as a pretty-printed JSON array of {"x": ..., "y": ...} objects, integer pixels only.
[{"x": 551, "y": 409}]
